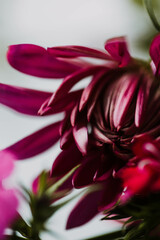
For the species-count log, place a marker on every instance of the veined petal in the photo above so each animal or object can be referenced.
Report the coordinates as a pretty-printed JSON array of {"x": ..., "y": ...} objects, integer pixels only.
[
  {"x": 71, "y": 80},
  {"x": 128, "y": 85},
  {"x": 117, "y": 48},
  {"x": 66, "y": 161},
  {"x": 35, "y": 143},
  {"x": 36, "y": 61},
  {"x": 155, "y": 52},
  {"x": 23, "y": 100},
  {"x": 85, "y": 209},
  {"x": 77, "y": 51}
]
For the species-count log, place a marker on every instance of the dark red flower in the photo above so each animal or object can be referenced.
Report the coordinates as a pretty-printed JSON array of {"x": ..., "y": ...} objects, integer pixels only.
[{"x": 101, "y": 121}]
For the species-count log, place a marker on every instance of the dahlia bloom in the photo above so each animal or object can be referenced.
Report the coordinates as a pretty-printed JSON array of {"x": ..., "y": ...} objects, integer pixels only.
[
  {"x": 8, "y": 199},
  {"x": 100, "y": 121}
]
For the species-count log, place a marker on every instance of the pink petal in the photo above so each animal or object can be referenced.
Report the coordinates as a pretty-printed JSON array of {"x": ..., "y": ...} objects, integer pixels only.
[
  {"x": 36, "y": 61},
  {"x": 155, "y": 53},
  {"x": 35, "y": 143},
  {"x": 66, "y": 161},
  {"x": 6, "y": 164},
  {"x": 117, "y": 48},
  {"x": 23, "y": 100},
  {"x": 77, "y": 51},
  {"x": 85, "y": 210},
  {"x": 8, "y": 207},
  {"x": 71, "y": 80}
]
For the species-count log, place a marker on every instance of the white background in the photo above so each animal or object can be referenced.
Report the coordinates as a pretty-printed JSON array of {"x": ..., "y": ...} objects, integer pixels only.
[{"x": 52, "y": 23}]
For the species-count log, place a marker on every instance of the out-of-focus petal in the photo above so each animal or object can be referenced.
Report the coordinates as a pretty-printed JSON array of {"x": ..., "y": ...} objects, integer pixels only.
[
  {"x": 77, "y": 51},
  {"x": 35, "y": 143},
  {"x": 8, "y": 207},
  {"x": 23, "y": 100},
  {"x": 85, "y": 210},
  {"x": 155, "y": 53},
  {"x": 66, "y": 161},
  {"x": 36, "y": 61},
  {"x": 6, "y": 164},
  {"x": 117, "y": 48}
]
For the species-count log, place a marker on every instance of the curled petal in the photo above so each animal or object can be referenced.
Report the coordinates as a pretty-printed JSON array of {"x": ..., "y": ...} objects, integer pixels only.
[
  {"x": 36, "y": 61},
  {"x": 80, "y": 134},
  {"x": 22, "y": 100},
  {"x": 117, "y": 48},
  {"x": 77, "y": 51},
  {"x": 35, "y": 143}
]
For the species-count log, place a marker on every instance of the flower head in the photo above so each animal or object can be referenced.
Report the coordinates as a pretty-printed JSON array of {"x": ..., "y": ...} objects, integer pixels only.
[{"x": 100, "y": 121}]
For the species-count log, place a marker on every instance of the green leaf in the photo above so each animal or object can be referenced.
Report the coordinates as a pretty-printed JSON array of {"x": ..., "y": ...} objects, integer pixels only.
[{"x": 108, "y": 236}]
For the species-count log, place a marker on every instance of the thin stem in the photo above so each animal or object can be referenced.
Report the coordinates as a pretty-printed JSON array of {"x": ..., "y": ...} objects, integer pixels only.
[{"x": 149, "y": 7}]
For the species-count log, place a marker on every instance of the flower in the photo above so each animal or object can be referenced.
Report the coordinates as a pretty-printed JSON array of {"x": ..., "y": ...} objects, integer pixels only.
[
  {"x": 8, "y": 199},
  {"x": 143, "y": 176},
  {"x": 100, "y": 122}
]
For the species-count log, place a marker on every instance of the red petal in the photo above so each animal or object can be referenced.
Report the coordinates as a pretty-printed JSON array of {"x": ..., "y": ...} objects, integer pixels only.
[
  {"x": 35, "y": 143},
  {"x": 66, "y": 160},
  {"x": 71, "y": 80},
  {"x": 117, "y": 48},
  {"x": 36, "y": 61},
  {"x": 77, "y": 51},
  {"x": 85, "y": 210},
  {"x": 23, "y": 100}
]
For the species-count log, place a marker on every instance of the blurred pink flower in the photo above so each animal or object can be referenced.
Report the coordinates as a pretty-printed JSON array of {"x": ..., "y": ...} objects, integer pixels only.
[{"x": 8, "y": 199}]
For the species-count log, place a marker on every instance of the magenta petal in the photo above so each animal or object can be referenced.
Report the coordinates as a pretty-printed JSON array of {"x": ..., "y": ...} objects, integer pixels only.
[
  {"x": 6, "y": 163},
  {"x": 23, "y": 100},
  {"x": 8, "y": 207},
  {"x": 36, "y": 61},
  {"x": 155, "y": 52},
  {"x": 66, "y": 160},
  {"x": 77, "y": 51},
  {"x": 97, "y": 78},
  {"x": 85, "y": 210},
  {"x": 35, "y": 143},
  {"x": 117, "y": 48},
  {"x": 71, "y": 80},
  {"x": 63, "y": 104}
]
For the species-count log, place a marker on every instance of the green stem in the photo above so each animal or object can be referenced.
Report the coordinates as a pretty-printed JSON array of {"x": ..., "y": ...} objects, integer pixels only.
[{"x": 149, "y": 7}]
